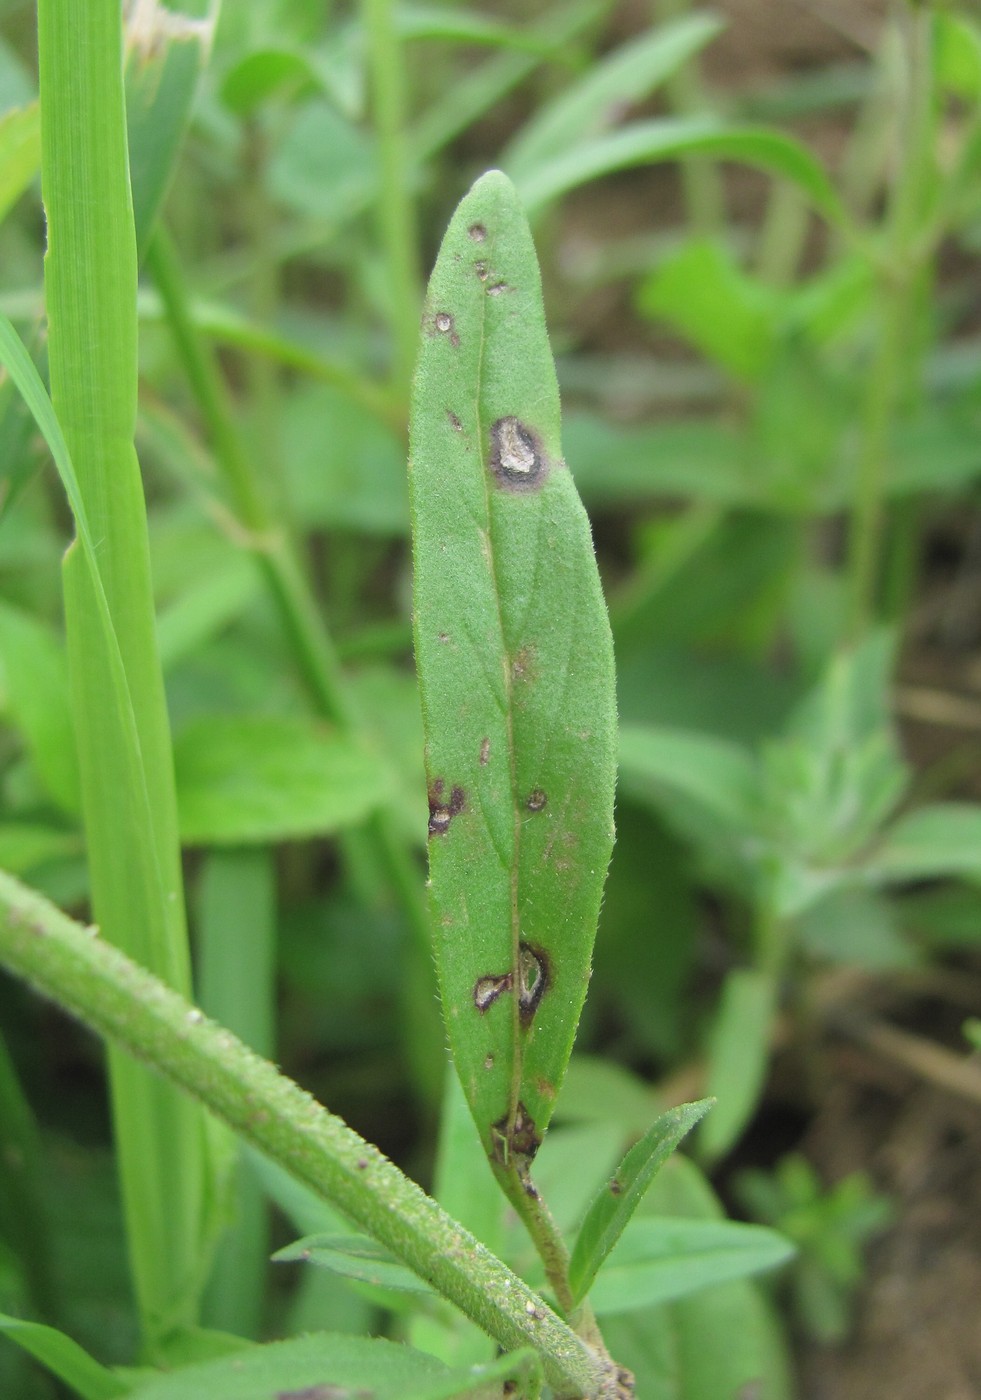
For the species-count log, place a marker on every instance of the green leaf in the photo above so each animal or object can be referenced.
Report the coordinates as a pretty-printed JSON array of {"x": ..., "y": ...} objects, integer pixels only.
[
  {"x": 643, "y": 143},
  {"x": 627, "y": 75},
  {"x": 943, "y": 839},
  {"x": 721, "y": 1341},
  {"x": 20, "y": 153},
  {"x": 617, "y": 1199},
  {"x": 658, "y": 1261},
  {"x": 272, "y": 71},
  {"x": 64, "y": 1358},
  {"x": 716, "y": 774},
  {"x": 26, "y": 845},
  {"x": 731, "y": 318},
  {"x": 323, "y": 1366},
  {"x": 36, "y": 679},
  {"x": 516, "y": 672},
  {"x": 356, "y": 1257},
  {"x": 165, "y": 58},
  {"x": 739, "y": 1048},
  {"x": 855, "y": 926},
  {"x": 344, "y": 469},
  {"x": 464, "y": 27},
  {"x": 243, "y": 779}
]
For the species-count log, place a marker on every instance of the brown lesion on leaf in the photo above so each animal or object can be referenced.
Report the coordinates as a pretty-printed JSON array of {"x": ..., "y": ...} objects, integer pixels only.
[
  {"x": 444, "y": 324},
  {"x": 533, "y": 981},
  {"x": 497, "y": 289},
  {"x": 441, "y": 810},
  {"x": 516, "y": 456},
  {"x": 477, "y": 232},
  {"x": 523, "y": 663},
  {"x": 616, "y": 1186},
  {"x": 515, "y": 1141},
  {"x": 487, "y": 989},
  {"x": 484, "y": 752},
  {"x": 454, "y": 421},
  {"x": 482, "y": 269},
  {"x": 537, "y": 800},
  {"x": 325, "y": 1392}
]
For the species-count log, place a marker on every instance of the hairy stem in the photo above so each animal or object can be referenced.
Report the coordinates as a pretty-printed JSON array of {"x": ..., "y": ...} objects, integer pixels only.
[{"x": 119, "y": 1000}]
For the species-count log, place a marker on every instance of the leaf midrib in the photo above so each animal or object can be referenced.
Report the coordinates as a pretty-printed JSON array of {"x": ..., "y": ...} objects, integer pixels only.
[{"x": 482, "y": 431}]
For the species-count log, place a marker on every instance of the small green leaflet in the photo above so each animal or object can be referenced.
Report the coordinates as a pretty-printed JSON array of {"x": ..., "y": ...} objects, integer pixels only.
[
  {"x": 515, "y": 665},
  {"x": 618, "y": 1198}
]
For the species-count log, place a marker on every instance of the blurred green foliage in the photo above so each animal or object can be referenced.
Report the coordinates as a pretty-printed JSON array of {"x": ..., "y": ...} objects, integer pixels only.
[{"x": 770, "y": 401}]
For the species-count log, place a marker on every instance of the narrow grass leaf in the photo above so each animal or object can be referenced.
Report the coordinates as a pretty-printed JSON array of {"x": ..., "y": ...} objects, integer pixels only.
[
  {"x": 516, "y": 673},
  {"x": 627, "y": 75},
  {"x": 659, "y": 1261},
  {"x": 465, "y": 27},
  {"x": 263, "y": 778},
  {"x": 327, "y": 1365},
  {"x": 118, "y": 702},
  {"x": 64, "y": 1358},
  {"x": 476, "y": 92},
  {"x": 669, "y": 138},
  {"x": 20, "y": 153},
  {"x": 36, "y": 676},
  {"x": 616, "y": 1201}
]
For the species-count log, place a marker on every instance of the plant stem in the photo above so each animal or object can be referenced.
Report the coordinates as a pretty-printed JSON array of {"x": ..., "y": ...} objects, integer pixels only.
[
  {"x": 119, "y": 1000},
  {"x": 703, "y": 193},
  {"x": 395, "y": 209},
  {"x": 897, "y": 351}
]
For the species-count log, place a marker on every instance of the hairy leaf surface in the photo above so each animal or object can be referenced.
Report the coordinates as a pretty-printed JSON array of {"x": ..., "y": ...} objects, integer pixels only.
[{"x": 516, "y": 672}]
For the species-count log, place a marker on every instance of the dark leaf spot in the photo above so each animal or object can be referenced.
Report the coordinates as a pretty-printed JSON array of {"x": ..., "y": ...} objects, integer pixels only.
[
  {"x": 325, "y": 1392},
  {"x": 498, "y": 289},
  {"x": 516, "y": 1139},
  {"x": 615, "y": 1187},
  {"x": 488, "y": 989},
  {"x": 516, "y": 455},
  {"x": 441, "y": 813},
  {"x": 445, "y": 325},
  {"x": 537, "y": 800},
  {"x": 477, "y": 232},
  {"x": 533, "y": 981},
  {"x": 481, "y": 269},
  {"x": 455, "y": 423}
]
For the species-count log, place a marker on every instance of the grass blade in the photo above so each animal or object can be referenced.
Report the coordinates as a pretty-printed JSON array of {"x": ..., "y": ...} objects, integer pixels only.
[
  {"x": 117, "y": 691},
  {"x": 629, "y": 74},
  {"x": 516, "y": 671},
  {"x": 616, "y": 1201},
  {"x": 668, "y": 138}
]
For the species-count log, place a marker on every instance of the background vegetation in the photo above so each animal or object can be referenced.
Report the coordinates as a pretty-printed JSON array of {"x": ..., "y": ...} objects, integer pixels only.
[{"x": 758, "y": 234}]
